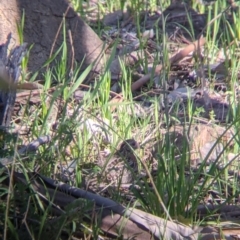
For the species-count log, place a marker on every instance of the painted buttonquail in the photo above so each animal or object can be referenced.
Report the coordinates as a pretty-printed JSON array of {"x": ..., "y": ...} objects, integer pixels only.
[{"x": 120, "y": 167}]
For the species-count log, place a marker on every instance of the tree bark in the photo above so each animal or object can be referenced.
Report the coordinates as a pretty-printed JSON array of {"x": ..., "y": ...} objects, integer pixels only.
[{"x": 43, "y": 27}]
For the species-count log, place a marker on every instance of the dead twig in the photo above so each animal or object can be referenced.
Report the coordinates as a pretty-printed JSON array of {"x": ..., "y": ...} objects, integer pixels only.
[{"x": 193, "y": 47}]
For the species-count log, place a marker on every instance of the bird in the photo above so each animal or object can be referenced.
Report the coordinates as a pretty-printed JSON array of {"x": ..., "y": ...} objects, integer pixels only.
[
  {"x": 120, "y": 167},
  {"x": 117, "y": 169}
]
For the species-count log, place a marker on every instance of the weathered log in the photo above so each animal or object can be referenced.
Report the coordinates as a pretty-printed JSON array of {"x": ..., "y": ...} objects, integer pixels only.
[{"x": 10, "y": 69}]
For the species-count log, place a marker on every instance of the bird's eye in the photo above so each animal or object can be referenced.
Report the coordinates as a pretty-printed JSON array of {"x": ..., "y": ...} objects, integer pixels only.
[{"x": 134, "y": 144}]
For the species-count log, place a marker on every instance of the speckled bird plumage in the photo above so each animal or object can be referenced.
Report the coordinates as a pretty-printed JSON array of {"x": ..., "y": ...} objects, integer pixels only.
[{"x": 122, "y": 164}]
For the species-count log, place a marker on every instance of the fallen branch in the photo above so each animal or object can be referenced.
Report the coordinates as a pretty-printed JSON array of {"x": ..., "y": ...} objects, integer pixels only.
[
  {"x": 31, "y": 147},
  {"x": 140, "y": 224},
  {"x": 193, "y": 47},
  {"x": 10, "y": 68}
]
